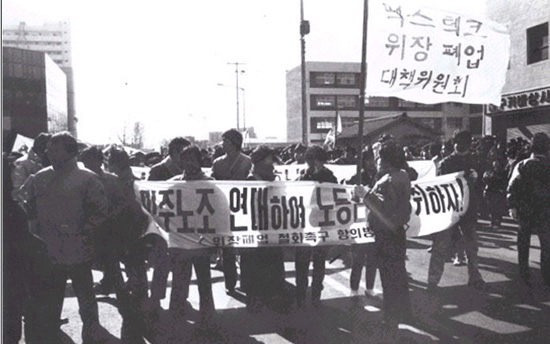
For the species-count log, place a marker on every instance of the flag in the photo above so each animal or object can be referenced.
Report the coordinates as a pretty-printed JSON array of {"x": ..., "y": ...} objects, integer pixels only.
[{"x": 330, "y": 139}]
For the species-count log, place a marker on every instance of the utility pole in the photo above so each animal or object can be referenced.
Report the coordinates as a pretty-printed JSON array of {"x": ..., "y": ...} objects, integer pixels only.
[
  {"x": 362, "y": 88},
  {"x": 304, "y": 30},
  {"x": 237, "y": 86}
]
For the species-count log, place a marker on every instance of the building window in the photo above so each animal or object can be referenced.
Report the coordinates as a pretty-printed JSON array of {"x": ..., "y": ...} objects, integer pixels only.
[
  {"x": 377, "y": 102},
  {"x": 346, "y": 79},
  {"x": 321, "y": 124},
  {"x": 476, "y": 108},
  {"x": 320, "y": 79},
  {"x": 347, "y": 102},
  {"x": 537, "y": 43},
  {"x": 323, "y": 102}
]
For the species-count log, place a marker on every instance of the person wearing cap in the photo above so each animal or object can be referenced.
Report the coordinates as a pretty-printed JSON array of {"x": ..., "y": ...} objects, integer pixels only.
[
  {"x": 262, "y": 270},
  {"x": 460, "y": 160},
  {"x": 529, "y": 202},
  {"x": 316, "y": 158},
  {"x": 28, "y": 164},
  {"x": 233, "y": 165}
]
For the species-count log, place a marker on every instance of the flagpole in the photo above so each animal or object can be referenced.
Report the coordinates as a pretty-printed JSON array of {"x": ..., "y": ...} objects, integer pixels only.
[{"x": 362, "y": 90}]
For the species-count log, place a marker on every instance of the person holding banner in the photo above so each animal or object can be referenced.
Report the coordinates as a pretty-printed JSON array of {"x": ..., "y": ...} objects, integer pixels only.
[
  {"x": 168, "y": 168},
  {"x": 363, "y": 254},
  {"x": 529, "y": 202},
  {"x": 234, "y": 165},
  {"x": 460, "y": 160},
  {"x": 263, "y": 270},
  {"x": 316, "y": 158},
  {"x": 390, "y": 210},
  {"x": 183, "y": 260}
]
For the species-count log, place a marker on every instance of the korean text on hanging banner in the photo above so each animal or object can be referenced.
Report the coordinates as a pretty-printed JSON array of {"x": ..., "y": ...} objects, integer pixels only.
[
  {"x": 431, "y": 56},
  {"x": 202, "y": 214}
]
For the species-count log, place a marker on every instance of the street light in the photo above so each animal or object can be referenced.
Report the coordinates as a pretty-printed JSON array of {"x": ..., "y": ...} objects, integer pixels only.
[
  {"x": 237, "y": 71},
  {"x": 244, "y": 104}
]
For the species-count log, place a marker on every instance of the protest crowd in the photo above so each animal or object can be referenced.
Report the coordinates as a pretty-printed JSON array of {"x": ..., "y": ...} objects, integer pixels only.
[{"x": 70, "y": 209}]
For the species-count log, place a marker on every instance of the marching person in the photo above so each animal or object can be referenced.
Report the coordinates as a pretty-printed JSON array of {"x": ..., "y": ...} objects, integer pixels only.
[
  {"x": 66, "y": 205},
  {"x": 233, "y": 165},
  {"x": 529, "y": 202},
  {"x": 262, "y": 269},
  {"x": 364, "y": 254},
  {"x": 390, "y": 209},
  {"x": 29, "y": 164},
  {"x": 316, "y": 158},
  {"x": 184, "y": 260},
  {"x": 168, "y": 168},
  {"x": 459, "y": 160}
]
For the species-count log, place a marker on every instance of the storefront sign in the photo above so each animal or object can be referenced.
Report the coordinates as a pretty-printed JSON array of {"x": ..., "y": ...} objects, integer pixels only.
[{"x": 523, "y": 100}]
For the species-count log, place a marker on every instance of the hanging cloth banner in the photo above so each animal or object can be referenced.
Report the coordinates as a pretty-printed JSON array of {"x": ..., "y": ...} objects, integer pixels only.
[
  {"x": 432, "y": 56},
  {"x": 202, "y": 214}
]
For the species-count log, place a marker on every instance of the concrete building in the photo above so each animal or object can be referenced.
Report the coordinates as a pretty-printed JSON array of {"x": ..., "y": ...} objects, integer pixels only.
[
  {"x": 525, "y": 102},
  {"x": 34, "y": 94},
  {"x": 53, "y": 39},
  {"x": 333, "y": 87}
]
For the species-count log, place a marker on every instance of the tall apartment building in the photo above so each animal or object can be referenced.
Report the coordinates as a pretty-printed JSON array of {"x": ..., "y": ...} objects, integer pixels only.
[
  {"x": 53, "y": 39},
  {"x": 334, "y": 86},
  {"x": 525, "y": 102}
]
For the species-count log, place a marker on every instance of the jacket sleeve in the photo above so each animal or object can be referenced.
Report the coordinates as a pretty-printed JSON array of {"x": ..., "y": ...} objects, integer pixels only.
[
  {"x": 19, "y": 175},
  {"x": 516, "y": 186},
  {"x": 95, "y": 204}
]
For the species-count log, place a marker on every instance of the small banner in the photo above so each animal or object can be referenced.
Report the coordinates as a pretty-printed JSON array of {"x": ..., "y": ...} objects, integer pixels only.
[
  {"x": 432, "y": 56},
  {"x": 202, "y": 214}
]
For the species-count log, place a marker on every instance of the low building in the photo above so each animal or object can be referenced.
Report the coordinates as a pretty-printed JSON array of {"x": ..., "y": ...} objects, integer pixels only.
[
  {"x": 525, "y": 102},
  {"x": 333, "y": 89}
]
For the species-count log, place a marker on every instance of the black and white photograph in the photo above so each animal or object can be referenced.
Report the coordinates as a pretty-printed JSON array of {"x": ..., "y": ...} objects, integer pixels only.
[{"x": 294, "y": 171}]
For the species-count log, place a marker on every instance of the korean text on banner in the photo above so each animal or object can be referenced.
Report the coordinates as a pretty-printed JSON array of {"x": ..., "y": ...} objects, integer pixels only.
[
  {"x": 255, "y": 214},
  {"x": 431, "y": 56}
]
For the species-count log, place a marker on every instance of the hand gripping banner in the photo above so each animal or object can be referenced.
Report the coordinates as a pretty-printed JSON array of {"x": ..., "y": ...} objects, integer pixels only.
[{"x": 202, "y": 214}]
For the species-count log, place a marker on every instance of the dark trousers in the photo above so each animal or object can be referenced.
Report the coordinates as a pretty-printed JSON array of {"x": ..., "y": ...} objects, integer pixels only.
[
  {"x": 182, "y": 270},
  {"x": 524, "y": 244},
  {"x": 14, "y": 297},
  {"x": 230, "y": 267},
  {"x": 391, "y": 253},
  {"x": 363, "y": 255},
  {"x": 304, "y": 255}
]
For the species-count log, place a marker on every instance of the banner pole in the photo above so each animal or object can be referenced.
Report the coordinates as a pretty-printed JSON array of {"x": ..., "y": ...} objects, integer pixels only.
[{"x": 362, "y": 90}]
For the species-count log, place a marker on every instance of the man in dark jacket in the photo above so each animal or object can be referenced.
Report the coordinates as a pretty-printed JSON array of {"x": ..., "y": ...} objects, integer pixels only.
[
  {"x": 529, "y": 202},
  {"x": 460, "y": 160}
]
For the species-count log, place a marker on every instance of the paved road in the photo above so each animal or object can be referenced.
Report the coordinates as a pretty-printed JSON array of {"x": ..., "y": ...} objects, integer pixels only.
[{"x": 507, "y": 312}]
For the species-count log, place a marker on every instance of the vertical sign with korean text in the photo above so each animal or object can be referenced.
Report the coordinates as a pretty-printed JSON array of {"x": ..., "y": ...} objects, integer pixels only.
[{"x": 431, "y": 56}]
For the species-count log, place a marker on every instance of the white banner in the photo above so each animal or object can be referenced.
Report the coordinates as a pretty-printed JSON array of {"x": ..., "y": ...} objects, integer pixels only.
[
  {"x": 254, "y": 213},
  {"x": 431, "y": 56}
]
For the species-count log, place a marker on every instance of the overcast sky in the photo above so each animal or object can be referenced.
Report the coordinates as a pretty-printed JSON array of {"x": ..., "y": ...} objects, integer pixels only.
[{"x": 159, "y": 62}]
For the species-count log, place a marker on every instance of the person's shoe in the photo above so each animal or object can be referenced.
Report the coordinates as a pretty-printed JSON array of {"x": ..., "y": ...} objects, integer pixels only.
[
  {"x": 353, "y": 292},
  {"x": 478, "y": 285},
  {"x": 432, "y": 288},
  {"x": 459, "y": 261},
  {"x": 230, "y": 291},
  {"x": 371, "y": 293},
  {"x": 429, "y": 249}
]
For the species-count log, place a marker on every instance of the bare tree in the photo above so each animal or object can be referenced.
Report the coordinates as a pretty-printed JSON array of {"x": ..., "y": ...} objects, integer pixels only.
[{"x": 135, "y": 138}]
